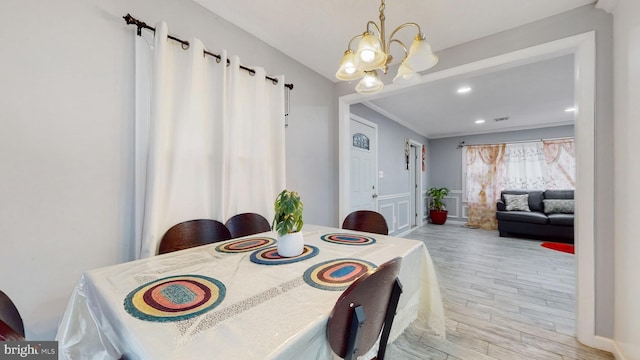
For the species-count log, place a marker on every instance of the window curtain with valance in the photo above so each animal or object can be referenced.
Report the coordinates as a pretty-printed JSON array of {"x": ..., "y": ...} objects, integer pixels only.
[
  {"x": 484, "y": 175},
  {"x": 535, "y": 165},
  {"x": 560, "y": 159},
  {"x": 209, "y": 138}
]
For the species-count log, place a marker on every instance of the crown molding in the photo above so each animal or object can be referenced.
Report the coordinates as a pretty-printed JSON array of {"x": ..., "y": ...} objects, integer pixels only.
[
  {"x": 607, "y": 5},
  {"x": 391, "y": 116}
]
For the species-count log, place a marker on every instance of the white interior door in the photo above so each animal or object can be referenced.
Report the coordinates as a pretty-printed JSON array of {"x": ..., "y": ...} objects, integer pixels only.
[{"x": 364, "y": 165}]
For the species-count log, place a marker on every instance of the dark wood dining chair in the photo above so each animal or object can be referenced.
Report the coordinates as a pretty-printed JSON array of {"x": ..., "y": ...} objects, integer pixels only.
[
  {"x": 366, "y": 308},
  {"x": 193, "y": 233},
  {"x": 247, "y": 224},
  {"x": 11, "y": 325},
  {"x": 367, "y": 221}
]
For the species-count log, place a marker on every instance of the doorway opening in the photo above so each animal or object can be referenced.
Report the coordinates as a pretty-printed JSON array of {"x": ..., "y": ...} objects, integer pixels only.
[
  {"x": 583, "y": 48},
  {"x": 416, "y": 169}
]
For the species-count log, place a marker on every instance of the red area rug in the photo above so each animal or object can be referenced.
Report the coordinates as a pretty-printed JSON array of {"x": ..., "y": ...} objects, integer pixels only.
[{"x": 568, "y": 248}]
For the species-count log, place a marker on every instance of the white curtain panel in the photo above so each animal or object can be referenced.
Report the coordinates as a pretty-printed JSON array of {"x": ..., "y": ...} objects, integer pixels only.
[
  {"x": 209, "y": 138},
  {"x": 525, "y": 166},
  {"x": 253, "y": 126}
]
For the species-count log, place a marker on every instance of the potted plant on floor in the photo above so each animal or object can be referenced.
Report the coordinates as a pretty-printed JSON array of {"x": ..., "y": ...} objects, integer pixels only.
[
  {"x": 288, "y": 223},
  {"x": 437, "y": 210}
]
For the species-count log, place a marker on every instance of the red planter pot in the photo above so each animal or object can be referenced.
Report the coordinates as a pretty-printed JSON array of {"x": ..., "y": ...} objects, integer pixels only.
[{"x": 438, "y": 217}]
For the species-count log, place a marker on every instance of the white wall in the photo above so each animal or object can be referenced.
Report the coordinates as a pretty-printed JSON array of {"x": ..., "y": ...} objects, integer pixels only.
[
  {"x": 66, "y": 138},
  {"x": 627, "y": 131}
]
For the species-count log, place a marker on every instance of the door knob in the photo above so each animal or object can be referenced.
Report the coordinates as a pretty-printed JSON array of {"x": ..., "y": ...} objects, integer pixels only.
[{"x": 374, "y": 195}]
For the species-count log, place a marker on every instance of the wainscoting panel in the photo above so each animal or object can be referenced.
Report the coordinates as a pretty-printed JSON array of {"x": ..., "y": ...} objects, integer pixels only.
[
  {"x": 388, "y": 211},
  {"x": 403, "y": 215},
  {"x": 452, "y": 203},
  {"x": 425, "y": 199},
  {"x": 395, "y": 208}
]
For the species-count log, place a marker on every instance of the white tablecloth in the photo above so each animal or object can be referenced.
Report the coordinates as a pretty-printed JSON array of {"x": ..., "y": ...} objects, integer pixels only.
[{"x": 269, "y": 312}]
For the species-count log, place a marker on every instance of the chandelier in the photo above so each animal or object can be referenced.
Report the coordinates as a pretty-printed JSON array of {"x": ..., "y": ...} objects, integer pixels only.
[{"x": 373, "y": 54}]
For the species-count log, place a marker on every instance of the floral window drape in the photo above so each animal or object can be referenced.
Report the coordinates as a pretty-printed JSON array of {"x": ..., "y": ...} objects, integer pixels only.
[
  {"x": 483, "y": 185},
  {"x": 560, "y": 158},
  {"x": 536, "y": 165}
]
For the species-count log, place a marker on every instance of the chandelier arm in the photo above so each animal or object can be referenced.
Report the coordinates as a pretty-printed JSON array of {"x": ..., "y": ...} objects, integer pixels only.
[
  {"x": 371, "y": 22},
  {"x": 391, "y": 39},
  {"x": 404, "y": 47},
  {"x": 353, "y": 38}
]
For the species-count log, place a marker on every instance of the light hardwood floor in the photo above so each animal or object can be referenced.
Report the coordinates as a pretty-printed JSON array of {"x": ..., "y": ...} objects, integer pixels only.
[{"x": 504, "y": 298}]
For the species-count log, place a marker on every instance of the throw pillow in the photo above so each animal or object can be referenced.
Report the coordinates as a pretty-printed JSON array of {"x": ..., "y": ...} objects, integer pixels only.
[
  {"x": 517, "y": 202},
  {"x": 558, "y": 206}
]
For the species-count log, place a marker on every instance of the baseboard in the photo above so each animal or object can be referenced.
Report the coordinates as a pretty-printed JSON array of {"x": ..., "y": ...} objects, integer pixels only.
[
  {"x": 617, "y": 353},
  {"x": 406, "y": 232},
  {"x": 456, "y": 222},
  {"x": 606, "y": 344},
  {"x": 409, "y": 231}
]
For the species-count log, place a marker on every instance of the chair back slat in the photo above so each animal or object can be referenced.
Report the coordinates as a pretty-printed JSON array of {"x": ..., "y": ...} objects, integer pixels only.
[
  {"x": 371, "y": 293},
  {"x": 10, "y": 319},
  {"x": 193, "y": 233},
  {"x": 367, "y": 221},
  {"x": 247, "y": 224}
]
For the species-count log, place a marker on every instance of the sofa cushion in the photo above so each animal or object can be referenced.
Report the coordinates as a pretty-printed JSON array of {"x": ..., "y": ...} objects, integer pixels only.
[
  {"x": 561, "y": 219},
  {"x": 517, "y": 202},
  {"x": 522, "y": 216},
  {"x": 558, "y": 194},
  {"x": 535, "y": 198},
  {"x": 558, "y": 206}
]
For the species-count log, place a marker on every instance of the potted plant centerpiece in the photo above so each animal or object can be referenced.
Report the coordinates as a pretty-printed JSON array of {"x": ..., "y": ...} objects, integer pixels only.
[
  {"x": 437, "y": 210},
  {"x": 288, "y": 223}
]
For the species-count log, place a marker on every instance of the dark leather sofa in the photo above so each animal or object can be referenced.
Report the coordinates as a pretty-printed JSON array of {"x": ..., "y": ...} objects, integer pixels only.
[{"x": 536, "y": 223}]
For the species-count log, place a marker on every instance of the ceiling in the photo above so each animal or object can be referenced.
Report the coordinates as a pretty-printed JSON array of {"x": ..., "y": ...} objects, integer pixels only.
[
  {"x": 316, "y": 34},
  {"x": 531, "y": 96}
]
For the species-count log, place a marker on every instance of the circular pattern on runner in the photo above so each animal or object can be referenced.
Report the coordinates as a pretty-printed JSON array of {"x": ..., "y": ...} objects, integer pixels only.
[
  {"x": 348, "y": 239},
  {"x": 244, "y": 245},
  {"x": 336, "y": 274},
  {"x": 175, "y": 298},
  {"x": 270, "y": 256}
]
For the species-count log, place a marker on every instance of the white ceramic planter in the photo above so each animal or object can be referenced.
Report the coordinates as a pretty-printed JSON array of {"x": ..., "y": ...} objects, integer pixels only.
[{"x": 291, "y": 245}]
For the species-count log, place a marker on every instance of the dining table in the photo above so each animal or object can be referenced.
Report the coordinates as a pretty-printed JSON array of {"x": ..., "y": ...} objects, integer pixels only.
[{"x": 238, "y": 299}]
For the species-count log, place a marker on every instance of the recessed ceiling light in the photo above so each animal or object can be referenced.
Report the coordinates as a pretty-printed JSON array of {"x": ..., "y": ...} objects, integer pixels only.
[
  {"x": 480, "y": 121},
  {"x": 571, "y": 109},
  {"x": 464, "y": 90}
]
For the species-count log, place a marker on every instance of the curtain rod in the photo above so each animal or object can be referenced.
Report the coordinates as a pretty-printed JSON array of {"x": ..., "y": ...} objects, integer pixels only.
[
  {"x": 185, "y": 45},
  {"x": 462, "y": 144}
]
